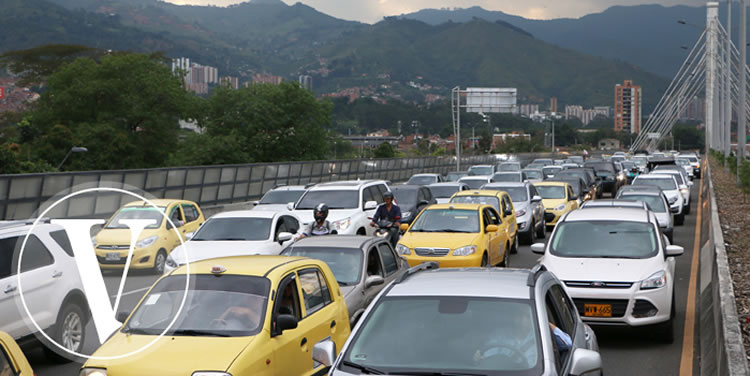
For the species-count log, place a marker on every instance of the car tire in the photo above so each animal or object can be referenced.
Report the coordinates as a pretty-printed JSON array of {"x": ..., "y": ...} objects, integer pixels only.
[
  {"x": 69, "y": 331},
  {"x": 506, "y": 256},
  {"x": 514, "y": 247},
  {"x": 541, "y": 232},
  {"x": 686, "y": 209},
  {"x": 665, "y": 330},
  {"x": 160, "y": 260},
  {"x": 679, "y": 220},
  {"x": 485, "y": 261}
]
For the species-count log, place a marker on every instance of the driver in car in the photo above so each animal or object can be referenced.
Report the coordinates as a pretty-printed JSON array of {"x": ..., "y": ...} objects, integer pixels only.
[
  {"x": 244, "y": 312},
  {"x": 516, "y": 342}
]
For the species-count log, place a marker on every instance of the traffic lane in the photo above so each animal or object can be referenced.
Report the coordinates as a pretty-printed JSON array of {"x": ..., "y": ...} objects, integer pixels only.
[{"x": 624, "y": 348}]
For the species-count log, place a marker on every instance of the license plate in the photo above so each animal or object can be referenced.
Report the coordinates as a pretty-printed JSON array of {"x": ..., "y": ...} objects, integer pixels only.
[
  {"x": 113, "y": 256},
  {"x": 597, "y": 310}
]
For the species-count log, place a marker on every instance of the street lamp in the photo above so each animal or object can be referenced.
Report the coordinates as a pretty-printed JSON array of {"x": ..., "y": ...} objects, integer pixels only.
[{"x": 74, "y": 149}]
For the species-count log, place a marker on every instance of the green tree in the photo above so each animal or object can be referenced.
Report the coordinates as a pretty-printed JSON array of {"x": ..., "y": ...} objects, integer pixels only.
[
  {"x": 38, "y": 63},
  {"x": 384, "y": 150}
]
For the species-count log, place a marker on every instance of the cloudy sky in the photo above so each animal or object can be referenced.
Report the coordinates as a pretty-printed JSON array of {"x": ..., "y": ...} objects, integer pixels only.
[{"x": 373, "y": 10}]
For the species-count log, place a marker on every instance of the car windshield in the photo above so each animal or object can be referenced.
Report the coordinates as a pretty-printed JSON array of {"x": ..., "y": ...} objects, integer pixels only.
[
  {"x": 550, "y": 170},
  {"x": 666, "y": 183},
  {"x": 447, "y": 220},
  {"x": 488, "y": 346},
  {"x": 475, "y": 199},
  {"x": 543, "y": 161},
  {"x": 281, "y": 197},
  {"x": 454, "y": 176},
  {"x": 682, "y": 161},
  {"x": 140, "y": 212},
  {"x": 693, "y": 159},
  {"x": 602, "y": 168},
  {"x": 335, "y": 199},
  {"x": 628, "y": 165},
  {"x": 422, "y": 180},
  {"x": 481, "y": 170},
  {"x": 576, "y": 186},
  {"x": 220, "y": 306},
  {"x": 238, "y": 229},
  {"x": 510, "y": 167},
  {"x": 405, "y": 197},
  {"x": 655, "y": 203},
  {"x": 346, "y": 263},
  {"x": 507, "y": 177},
  {"x": 444, "y": 191},
  {"x": 604, "y": 239},
  {"x": 553, "y": 192},
  {"x": 534, "y": 174},
  {"x": 517, "y": 194},
  {"x": 572, "y": 174},
  {"x": 474, "y": 183},
  {"x": 677, "y": 176}
]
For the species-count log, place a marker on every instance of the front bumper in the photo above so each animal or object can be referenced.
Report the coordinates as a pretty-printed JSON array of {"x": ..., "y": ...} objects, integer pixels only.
[
  {"x": 551, "y": 217},
  {"x": 470, "y": 261},
  {"x": 142, "y": 258},
  {"x": 631, "y": 306}
]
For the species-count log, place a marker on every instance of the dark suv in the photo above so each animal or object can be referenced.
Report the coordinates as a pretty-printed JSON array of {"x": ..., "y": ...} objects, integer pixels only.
[{"x": 608, "y": 175}]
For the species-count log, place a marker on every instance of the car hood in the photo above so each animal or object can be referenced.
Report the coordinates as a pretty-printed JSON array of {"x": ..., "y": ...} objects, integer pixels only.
[
  {"x": 202, "y": 250},
  {"x": 606, "y": 270},
  {"x": 121, "y": 236},
  {"x": 169, "y": 355},
  {"x": 279, "y": 208},
  {"x": 306, "y": 216},
  {"x": 550, "y": 203},
  {"x": 438, "y": 239}
]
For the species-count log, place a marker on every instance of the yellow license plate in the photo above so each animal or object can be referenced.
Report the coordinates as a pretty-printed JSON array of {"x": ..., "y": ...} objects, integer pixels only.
[{"x": 597, "y": 310}]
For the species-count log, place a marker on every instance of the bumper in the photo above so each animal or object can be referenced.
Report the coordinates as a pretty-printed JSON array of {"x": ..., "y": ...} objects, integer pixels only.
[
  {"x": 474, "y": 260},
  {"x": 676, "y": 208},
  {"x": 631, "y": 307},
  {"x": 551, "y": 217},
  {"x": 142, "y": 258}
]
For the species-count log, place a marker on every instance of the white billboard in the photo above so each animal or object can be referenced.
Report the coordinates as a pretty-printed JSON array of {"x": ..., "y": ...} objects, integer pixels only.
[{"x": 490, "y": 100}]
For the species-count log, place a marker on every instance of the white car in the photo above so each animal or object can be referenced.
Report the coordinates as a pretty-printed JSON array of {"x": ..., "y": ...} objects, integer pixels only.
[
  {"x": 237, "y": 233},
  {"x": 279, "y": 198},
  {"x": 51, "y": 286},
  {"x": 682, "y": 181},
  {"x": 476, "y": 182},
  {"x": 481, "y": 170},
  {"x": 684, "y": 162},
  {"x": 351, "y": 204},
  {"x": 617, "y": 266},
  {"x": 444, "y": 191},
  {"x": 671, "y": 189},
  {"x": 425, "y": 179},
  {"x": 694, "y": 161}
]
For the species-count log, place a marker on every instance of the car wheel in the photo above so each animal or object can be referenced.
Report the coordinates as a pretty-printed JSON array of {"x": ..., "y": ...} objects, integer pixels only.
[
  {"x": 506, "y": 255},
  {"x": 69, "y": 332},
  {"x": 687, "y": 209},
  {"x": 666, "y": 329},
  {"x": 679, "y": 220},
  {"x": 485, "y": 261},
  {"x": 159, "y": 261},
  {"x": 362, "y": 232},
  {"x": 541, "y": 232}
]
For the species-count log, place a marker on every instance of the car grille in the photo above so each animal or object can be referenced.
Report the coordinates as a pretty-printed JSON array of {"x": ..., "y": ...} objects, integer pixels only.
[
  {"x": 618, "y": 305},
  {"x": 599, "y": 285},
  {"x": 432, "y": 252},
  {"x": 549, "y": 217},
  {"x": 113, "y": 247}
]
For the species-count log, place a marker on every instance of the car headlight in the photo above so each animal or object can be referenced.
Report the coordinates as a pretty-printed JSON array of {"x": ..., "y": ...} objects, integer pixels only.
[
  {"x": 143, "y": 243},
  {"x": 406, "y": 215},
  {"x": 342, "y": 224},
  {"x": 684, "y": 190},
  {"x": 672, "y": 200},
  {"x": 520, "y": 213},
  {"x": 620, "y": 177},
  {"x": 93, "y": 241},
  {"x": 402, "y": 249},
  {"x": 93, "y": 372},
  {"x": 560, "y": 207},
  {"x": 171, "y": 262},
  {"x": 655, "y": 281},
  {"x": 210, "y": 373},
  {"x": 465, "y": 251}
]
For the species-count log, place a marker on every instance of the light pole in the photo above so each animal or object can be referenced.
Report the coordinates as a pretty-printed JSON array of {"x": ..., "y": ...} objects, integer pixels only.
[
  {"x": 74, "y": 149},
  {"x": 742, "y": 121}
]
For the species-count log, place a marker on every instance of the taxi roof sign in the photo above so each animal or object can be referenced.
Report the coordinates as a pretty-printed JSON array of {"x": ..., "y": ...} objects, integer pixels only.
[{"x": 218, "y": 269}]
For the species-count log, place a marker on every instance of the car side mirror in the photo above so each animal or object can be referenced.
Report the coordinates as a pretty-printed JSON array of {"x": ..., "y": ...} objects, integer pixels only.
[
  {"x": 370, "y": 205},
  {"x": 189, "y": 235},
  {"x": 538, "y": 248},
  {"x": 585, "y": 361},
  {"x": 255, "y": 203},
  {"x": 290, "y": 206},
  {"x": 424, "y": 202},
  {"x": 374, "y": 280},
  {"x": 573, "y": 198},
  {"x": 285, "y": 237},
  {"x": 285, "y": 322},
  {"x": 324, "y": 352},
  {"x": 536, "y": 199},
  {"x": 507, "y": 212},
  {"x": 404, "y": 227},
  {"x": 122, "y": 316},
  {"x": 674, "y": 251},
  {"x": 492, "y": 228}
]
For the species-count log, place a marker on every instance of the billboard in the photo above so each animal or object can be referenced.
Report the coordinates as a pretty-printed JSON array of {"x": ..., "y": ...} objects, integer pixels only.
[{"x": 491, "y": 100}]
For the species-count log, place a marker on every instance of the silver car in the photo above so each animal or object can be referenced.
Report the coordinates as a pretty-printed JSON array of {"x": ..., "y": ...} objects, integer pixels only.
[
  {"x": 444, "y": 191},
  {"x": 362, "y": 265},
  {"x": 656, "y": 201},
  {"x": 279, "y": 197},
  {"x": 434, "y": 321},
  {"x": 529, "y": 209}
]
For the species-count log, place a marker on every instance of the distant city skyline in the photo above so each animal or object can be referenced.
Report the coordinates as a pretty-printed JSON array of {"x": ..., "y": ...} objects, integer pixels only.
[{"x": 371, "y": 11}]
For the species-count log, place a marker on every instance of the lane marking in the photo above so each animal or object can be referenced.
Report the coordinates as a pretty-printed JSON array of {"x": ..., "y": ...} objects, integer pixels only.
[
  {"x": 132, "y": 292},
  {"x": 688, "y": 339}
]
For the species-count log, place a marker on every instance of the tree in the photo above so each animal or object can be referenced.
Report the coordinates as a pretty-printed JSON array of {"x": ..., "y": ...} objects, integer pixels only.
[
  {"x": 38, "y": 63},
  {"x": 384, "y": 150}
]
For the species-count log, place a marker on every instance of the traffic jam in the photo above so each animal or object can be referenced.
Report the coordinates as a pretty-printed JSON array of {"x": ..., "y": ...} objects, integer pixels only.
[{"x": 361, "y": 277}]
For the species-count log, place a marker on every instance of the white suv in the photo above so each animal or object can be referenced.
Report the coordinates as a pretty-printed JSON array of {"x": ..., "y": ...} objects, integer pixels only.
[
  {"x": 616, "y": 265},
  {"x": 351, "y": 204},
  {"x": 671, "y": 189},
  {"x": 51, "y": 284}
]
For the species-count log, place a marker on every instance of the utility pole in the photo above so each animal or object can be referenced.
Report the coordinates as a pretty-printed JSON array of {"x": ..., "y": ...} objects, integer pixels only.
[
  {"x": 728, "y": 87},
  {"x": 712, "y": 16},
  {"x": 741, "y": 111}
]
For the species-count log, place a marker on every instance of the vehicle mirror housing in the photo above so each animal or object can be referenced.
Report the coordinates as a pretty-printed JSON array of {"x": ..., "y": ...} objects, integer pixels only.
[
  {"x": 424, "y": 202},
  {"x": 374, "y": 280},
  {"x": 122, "y": 316},
  {"x": 536, "y": 199},
  {"x": 573, "y": 198},
  {"x": 290, "y": 206},
  {"x": 404, "y": 227},
  {"x": 538, "y": 248},
  {"x": 189, "y": 235},
  {"x": 285, "y": 237},
  {"x": 674, "y": 250},
  {"x": 492, "y": 228},
  {"x": 370, "y": 205},
  {"x": 285, "y": 322},
  {"x": 324, "y": 352},
  {"x": 585, "y": 361}
]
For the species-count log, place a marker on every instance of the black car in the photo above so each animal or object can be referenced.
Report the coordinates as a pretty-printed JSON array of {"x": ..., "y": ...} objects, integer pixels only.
[
  {"x": 412, "y": 199},
  {"x": 590, "y": 186},
  {"x": 610, "y": 179}
]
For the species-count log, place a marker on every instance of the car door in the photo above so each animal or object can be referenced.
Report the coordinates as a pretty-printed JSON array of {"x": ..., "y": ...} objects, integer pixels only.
[
  {"x": 538, "y": 206},
  {"x": 391, "y": 262},
  {"x": 192, "y": 218},
  {"x": 509, "y": 219},
  {"x": 321, "y": 320},
  {"x": 373, "y": 267},
  {"x": 493, "y": 240},
  {"x": 175, "y": 214},
  {"x": 288, "y": 345},
  {"x": 10, "y": 316},
  {"x": 12, "y": 360},
  {"x": 561, "y": 313}
]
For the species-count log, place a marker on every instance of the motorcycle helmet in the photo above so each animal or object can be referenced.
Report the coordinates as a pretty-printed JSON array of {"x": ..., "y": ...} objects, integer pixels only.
[
  {"x": 320, "y": 213},
  {"x": 388, "y": 194}
]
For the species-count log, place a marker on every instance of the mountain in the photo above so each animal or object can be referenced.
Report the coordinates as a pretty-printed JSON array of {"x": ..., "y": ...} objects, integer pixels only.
[
  {"x": 479, "y": 53},
  {"x": 645, "y": 35}
]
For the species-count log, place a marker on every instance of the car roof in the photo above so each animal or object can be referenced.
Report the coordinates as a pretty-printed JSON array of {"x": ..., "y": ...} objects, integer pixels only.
[
  {"x": 447, "y": 184},
  {"x": 15, "y": 225},
  {"x": 608, "y": 214},
  {"x": 508, "y": 173},
  {"x": 430, "y": 174},
  {"x": 338, "y": 241},
  {"x": 475, "y": 282},
  {"x": 480, "y": 192},
  {"x": 635, "y": 192},
  {"x": 511, "y": 162},
  {"x": 654, "y": 176},
  {"x": 482, "y": 165},
  {"x": 345, "y": 184},
  {"x": 456, "y": 206},
  {"x": 641, "y": 188},
  {"x": 247, "y": 214},
  {"x": 405, "y": 187},
  {"x": 157, "y": 202},
  {"x": 243, "y": 265},
  {"x": 290, "y": 188},
  {"x": 508, "y": 184},
  {"x": 551, "y": 183},
  {"x": 613, "y": 204},
  {"x": 475, "y": 177}
]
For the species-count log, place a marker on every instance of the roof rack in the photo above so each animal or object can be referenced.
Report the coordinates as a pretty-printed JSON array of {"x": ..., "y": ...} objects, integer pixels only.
[
  {"x": 428, "y": 265},
  {"x": 535, "y": 271},
  {"x": 308, "y": 185},
  {"x": 22, "y": 222}
]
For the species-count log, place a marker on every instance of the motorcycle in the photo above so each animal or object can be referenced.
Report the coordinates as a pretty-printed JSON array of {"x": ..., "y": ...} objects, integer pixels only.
[{"x": 383, "y": 228}]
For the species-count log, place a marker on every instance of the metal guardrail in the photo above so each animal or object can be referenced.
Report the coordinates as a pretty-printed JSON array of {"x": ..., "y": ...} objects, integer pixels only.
[{"x": 721, "y": 348}]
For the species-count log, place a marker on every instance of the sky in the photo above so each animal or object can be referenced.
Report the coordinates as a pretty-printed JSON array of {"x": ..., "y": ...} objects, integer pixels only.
[{"x": 371, "y": 11}]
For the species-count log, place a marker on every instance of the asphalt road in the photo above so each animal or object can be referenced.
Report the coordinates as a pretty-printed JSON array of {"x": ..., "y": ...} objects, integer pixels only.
[{"x": 625, "y": 351}]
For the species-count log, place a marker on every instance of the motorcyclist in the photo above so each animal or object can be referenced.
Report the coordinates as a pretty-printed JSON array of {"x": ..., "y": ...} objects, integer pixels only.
[
  {"x": 320, "y": 226},
  {"x": 391, "y": 212}
]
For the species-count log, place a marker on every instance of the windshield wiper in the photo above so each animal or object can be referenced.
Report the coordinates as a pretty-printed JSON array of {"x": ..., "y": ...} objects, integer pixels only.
[
  {"x": 363, "y": 369},
  {"x": 197, "y": 333},
  {"x": 438, "y": 373},
  {"x": 129, "y": 330},
  {"x": 229, "y": 239}
]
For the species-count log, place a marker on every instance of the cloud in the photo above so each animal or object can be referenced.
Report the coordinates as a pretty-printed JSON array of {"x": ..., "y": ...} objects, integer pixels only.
[{"x": 374, "y": 10}]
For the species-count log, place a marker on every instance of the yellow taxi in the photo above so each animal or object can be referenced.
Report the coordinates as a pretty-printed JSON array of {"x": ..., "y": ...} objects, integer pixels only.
[
  {"x": 558, "y": 199},
  {"x": 112, "y": 243},
  {"x": 12, "y": 360},
  {"x": 456, "y": 236},
  {"x": 246, "y": 315},
  {"x": 501, "y": 201}
]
